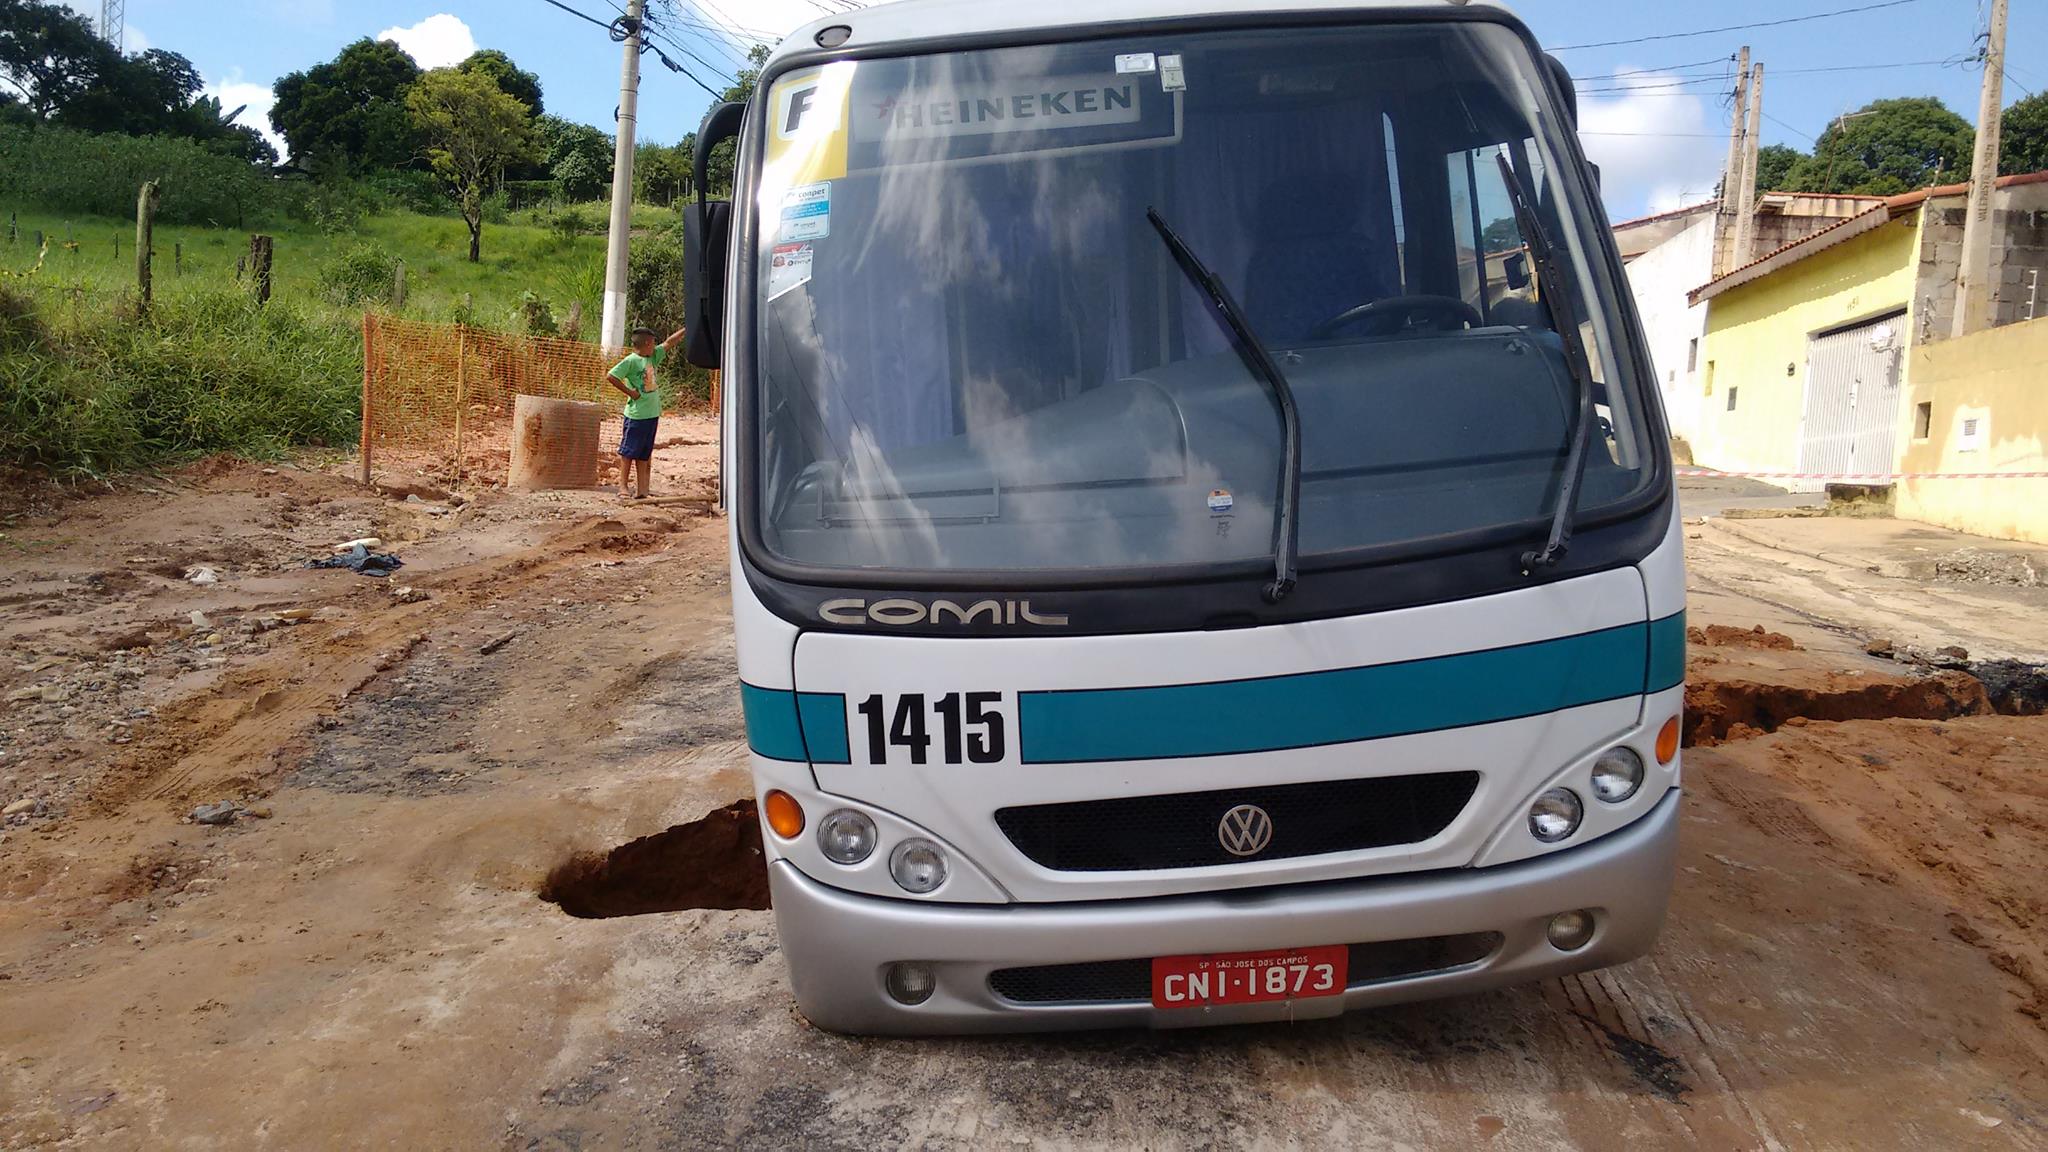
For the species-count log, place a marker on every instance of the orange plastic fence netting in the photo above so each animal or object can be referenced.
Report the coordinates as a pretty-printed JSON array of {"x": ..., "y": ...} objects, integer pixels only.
[{"x": 438, "y": 401}]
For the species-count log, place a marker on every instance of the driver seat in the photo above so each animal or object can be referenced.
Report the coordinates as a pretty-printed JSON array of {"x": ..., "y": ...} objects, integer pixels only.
[{"x": 1314, "y": 258}]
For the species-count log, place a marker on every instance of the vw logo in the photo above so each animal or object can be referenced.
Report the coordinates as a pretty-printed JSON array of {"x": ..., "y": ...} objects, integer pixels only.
[{"x": 1245, "y": 830}]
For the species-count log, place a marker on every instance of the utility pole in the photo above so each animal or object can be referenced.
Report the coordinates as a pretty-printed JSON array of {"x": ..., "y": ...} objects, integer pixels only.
[
  {"x": 1731, "y": 174},
  {"x": 1745, "y": 204},
  {"x": 1973, "y": 276},
  {"x": 613, "y": 333}
]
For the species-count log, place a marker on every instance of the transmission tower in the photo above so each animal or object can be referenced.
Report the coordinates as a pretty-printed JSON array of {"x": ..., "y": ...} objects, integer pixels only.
[{"x": 113, "y": 23}]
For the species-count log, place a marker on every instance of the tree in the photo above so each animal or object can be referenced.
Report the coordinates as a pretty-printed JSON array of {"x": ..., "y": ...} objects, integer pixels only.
[
  {"x": 349, "y": 113},
  {"x": 661, "y": 173},
  {"x": 1774, "y": 165},
  {"x": 50, "y": 56},
  {"x": 142, "y": 95},
  {"x": 1501, "y": 236},
  {"x": 511, "y": 80},
  {"x": 1888, "y": 147},
  {"x": 472, "y": 132},
  {"x": 2023, "y": 137},
  {"x": 578, "y": 157}
]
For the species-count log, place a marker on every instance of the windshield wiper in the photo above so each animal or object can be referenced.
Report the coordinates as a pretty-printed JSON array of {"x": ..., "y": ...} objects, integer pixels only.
[
  {"x": 1287, "y": 532},
  {"x": 1550, "y": 288}
]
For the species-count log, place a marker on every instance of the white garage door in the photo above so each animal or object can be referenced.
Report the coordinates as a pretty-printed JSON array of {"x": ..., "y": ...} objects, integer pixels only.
[{"x": 1851, "y": 421}]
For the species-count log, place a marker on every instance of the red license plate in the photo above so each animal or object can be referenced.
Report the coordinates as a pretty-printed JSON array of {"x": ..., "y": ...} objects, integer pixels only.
[{"x": 1248, "y": 977}]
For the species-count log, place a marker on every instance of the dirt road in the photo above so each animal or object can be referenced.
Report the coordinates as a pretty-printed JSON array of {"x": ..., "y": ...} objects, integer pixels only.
[{"x": 359, "y": 957}]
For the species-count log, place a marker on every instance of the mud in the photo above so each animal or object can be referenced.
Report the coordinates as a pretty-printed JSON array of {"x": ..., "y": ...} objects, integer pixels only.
[
  {"x": 1717, "y": 711},
  {"x": 1725, "y": 636},
  {"x": 713, "y": 862}
]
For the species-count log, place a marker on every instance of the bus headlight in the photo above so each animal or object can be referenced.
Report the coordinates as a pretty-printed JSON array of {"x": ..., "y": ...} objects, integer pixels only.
[
  {"x": 1617, "y": 774},
  {"x": 1555, "y": 815},
  {"x": 918, "y": 866},
  {"x": 846, "y": 836}
]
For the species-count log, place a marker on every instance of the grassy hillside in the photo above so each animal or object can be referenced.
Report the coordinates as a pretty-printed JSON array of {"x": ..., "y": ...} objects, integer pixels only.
[
  {"x": 555, "y": 263},
  {"x": 89, "y": 387}
]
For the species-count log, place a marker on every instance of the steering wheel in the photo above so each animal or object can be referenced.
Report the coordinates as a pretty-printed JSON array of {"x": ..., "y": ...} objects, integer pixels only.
[{"x": 1403, "y": 313}]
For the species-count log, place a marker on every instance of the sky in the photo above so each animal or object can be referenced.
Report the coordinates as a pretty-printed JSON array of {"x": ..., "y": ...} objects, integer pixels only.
[{"x": 1654, "y": 114}]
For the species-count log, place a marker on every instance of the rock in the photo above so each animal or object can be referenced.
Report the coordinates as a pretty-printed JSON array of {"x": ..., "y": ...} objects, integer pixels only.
[
  {"x": 56, "y": 694},
  {"x": 213, "y": 639},
  {"x": 413, "y": 498},
  {"x": 408, "y": 595},
  {"x": 1954, "y": 652},
  {"x": 296, "y": 614},
  {"x": 201, "y": 574},
  {"x": 25, "y": 804},
  {"x": 492, "y": 645},
  {"x": 220, "y": 812},
  {"x": 259, "y": 811},
  {"x": 199, "y": 621},
  {"x": 1882, "y": 649},
  {"x": 23, "y": 695},
  {"x": 366, "y": 542}
]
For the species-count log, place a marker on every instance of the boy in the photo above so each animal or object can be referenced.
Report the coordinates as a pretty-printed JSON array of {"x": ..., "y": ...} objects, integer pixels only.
[{"x": 635, "y": 376}]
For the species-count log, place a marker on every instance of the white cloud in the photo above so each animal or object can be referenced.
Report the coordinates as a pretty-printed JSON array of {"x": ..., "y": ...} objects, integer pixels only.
[
  {"x": 234, "y": 92},
  {"x": 132, "y": 39},
  {"x": 436, "y": 42},
  {"x": 1656, "y": 143}
]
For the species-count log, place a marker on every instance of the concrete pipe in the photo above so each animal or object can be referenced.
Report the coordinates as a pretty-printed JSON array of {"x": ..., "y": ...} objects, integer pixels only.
[{"x": 554, "y": 443}]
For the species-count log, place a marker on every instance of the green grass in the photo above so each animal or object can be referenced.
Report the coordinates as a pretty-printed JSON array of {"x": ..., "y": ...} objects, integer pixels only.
[{"x": 518, "y": 257}]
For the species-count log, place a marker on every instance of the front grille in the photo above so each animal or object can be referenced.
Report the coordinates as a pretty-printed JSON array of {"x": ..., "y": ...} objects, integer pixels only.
[
  {"x": 1106, "y": 981},
  {"x": 1180, "y": 830}
]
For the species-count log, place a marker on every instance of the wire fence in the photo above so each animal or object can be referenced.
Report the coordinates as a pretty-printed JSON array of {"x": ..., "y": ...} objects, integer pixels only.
[{"x": 439, "y": 402}]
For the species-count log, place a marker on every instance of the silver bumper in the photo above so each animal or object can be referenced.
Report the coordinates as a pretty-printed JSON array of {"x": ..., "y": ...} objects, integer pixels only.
[{"x": 838, "y": 943}]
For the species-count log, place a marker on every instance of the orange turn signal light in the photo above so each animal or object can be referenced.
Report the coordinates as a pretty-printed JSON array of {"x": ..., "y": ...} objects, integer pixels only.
[
  {"x": 785, "y": 815},
  {"x": 1667, "y": 741}
]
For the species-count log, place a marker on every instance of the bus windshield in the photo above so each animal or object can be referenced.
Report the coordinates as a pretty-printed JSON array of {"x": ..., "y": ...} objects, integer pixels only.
[{"x": 971, "y": 351}]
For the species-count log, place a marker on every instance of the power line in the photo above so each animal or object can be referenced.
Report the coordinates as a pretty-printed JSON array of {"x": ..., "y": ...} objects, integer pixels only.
[
  {"x": 1738, "y": 27},
  {"x": 1810, "y": 137},
  {"x": 604, "y": 24},
  {"x": 716, "y": 70}
]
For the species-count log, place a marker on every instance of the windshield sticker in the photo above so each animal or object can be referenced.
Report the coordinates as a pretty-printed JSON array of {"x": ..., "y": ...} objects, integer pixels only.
[
  {"x": 1053, "y": 104},
  {"x": 1135, "y": 63},
  {"x": 1171, "y": 77},
  {"x": 807, "y": 142},
  {"x": 807, "y": 212},
  {"x": 1221, "y": 502},
  {"x": 789, "y": 268}
]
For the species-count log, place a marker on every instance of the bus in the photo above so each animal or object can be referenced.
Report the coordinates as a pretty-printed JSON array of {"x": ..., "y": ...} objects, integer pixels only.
[{"x": 1203, "y": 544}]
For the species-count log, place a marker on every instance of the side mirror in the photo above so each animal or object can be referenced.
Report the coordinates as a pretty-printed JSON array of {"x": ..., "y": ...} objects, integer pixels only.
[
  {"x": 1516, "y": 270},
  {"x": 707, "y": 243},
  {"x": 1562, "y": 76}
]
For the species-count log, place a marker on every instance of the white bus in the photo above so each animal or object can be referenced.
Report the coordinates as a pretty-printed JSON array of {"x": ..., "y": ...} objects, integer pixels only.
[{"x": 1202, "y": 543}]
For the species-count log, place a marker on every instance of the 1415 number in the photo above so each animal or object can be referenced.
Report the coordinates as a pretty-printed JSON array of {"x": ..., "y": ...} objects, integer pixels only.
[{"x": 970, "y": 727}]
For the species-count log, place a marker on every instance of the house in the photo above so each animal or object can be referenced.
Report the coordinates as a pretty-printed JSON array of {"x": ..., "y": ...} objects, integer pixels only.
[
  {"x": 1669, "y": 254},
  {"x": 1822, "y": 357}
]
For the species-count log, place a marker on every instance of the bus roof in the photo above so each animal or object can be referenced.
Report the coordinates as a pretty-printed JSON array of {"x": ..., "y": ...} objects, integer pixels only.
[{"x": 909, "y": 20}]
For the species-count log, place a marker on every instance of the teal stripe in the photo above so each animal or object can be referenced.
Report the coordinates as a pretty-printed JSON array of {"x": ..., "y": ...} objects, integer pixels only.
[
  {"x": 772, "y": 727},
  {"x": 1667, "y": 652},
  {"x": 798, "y": 726},
  {"x": 823, "y": 716},
  {"x": 1315, "y": 708}
]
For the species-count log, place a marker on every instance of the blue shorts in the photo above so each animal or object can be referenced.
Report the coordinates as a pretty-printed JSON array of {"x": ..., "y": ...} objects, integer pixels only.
[{"x": 636, "y": 441}]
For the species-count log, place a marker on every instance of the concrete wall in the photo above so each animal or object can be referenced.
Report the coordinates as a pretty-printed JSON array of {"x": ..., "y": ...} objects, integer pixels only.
[
  {"x": 1756, "y": 331},
  {"x": 2019, "y": 250},
  {"x": 1997, "y": 379},
  {"x": 1783, "y": 218},
  {"x": 1659, "y": 280}
]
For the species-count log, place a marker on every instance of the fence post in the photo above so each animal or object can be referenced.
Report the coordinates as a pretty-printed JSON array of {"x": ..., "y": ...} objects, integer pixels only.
[
  {"x": 369, "y": 355},
  {"x": 574, "y": 328},
  {"x": 117, "y": 245},
  {"x": 398, "y": 288},
  {"x": 12, "y": 233},
  {"x": 145, "y": 238},
  {"x": 259, "y": 264},
  {"x": 461, "y": 394},
  {"x": 39, "y": 239},
  {"x": 178, "y": 258}
]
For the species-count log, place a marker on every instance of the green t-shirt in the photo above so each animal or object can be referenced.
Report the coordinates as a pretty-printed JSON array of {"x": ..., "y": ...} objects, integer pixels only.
[{"x": 637, "y": 372}]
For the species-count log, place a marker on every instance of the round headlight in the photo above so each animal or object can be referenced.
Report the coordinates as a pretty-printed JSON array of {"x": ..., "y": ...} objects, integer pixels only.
[
  {"x": 1555, "y": 815},
  {"x": 846, "y": 836},
  {"x": 918, "y": 866},
  {"x": 1569, "y": 931},
  {"x": 1617, "y": 774}
]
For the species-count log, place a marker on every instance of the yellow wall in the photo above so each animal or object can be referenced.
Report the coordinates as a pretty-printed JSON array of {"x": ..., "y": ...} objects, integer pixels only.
[
  {"x": 1755, "y": 330},
  {"x": 2000, "y": 377}
]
